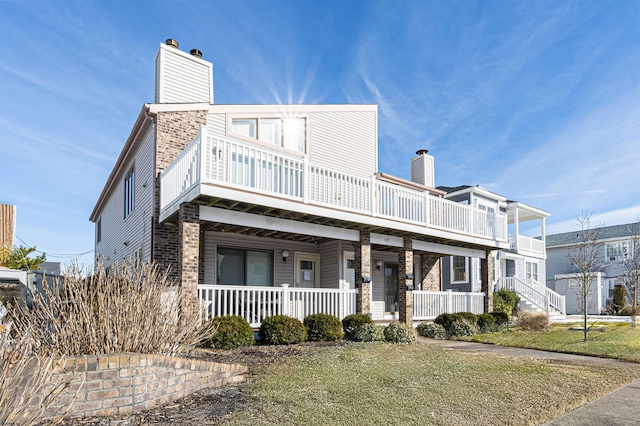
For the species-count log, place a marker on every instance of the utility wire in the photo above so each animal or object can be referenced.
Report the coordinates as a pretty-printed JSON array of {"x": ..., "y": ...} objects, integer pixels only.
[{"x": 61, "y": 255}]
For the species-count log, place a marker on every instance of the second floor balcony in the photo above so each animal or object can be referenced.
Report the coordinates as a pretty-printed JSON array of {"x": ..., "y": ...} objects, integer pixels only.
[{"x": 229, "y": 169}]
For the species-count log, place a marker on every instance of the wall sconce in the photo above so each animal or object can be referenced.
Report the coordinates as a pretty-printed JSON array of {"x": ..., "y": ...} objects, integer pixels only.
[
  {"x": 366, "y": 279},
  {"x": 378, "y": 264},
  {"x": 126, "y": 243},
  {"x": 285, "y": 254},
  {"x": 410, "y": 277}
]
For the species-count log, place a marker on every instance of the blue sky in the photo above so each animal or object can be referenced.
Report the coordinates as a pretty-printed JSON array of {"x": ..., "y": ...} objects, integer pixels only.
[{"x": 538, "y": 101}]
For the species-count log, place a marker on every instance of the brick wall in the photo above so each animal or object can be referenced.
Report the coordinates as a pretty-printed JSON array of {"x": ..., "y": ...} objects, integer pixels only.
[
  {"x": 119, "y": 384},
  {"x": 174, "y": 131},
  {"x": 431, "y": 272}
]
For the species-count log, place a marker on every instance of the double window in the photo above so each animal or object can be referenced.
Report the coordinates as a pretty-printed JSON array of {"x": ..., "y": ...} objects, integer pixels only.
[
  {"x": 531, "y": 271},
  {"x": 618, "y": 250},
  {"x": 288, "y": 133},
  {"x": 459, "y": 269},
  {"x": 129, "y": 193},
  {"x": 244, "y": 267}
]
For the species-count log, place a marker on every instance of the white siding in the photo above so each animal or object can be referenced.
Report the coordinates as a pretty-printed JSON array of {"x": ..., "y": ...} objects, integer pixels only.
[
  {"x": 330, "y": 264},
  {"x": 182, "y": 78},
  {"x": 341, "y": 139},
  {"x": 217, "y": 125},
  {"x": 136, "y": 228}
]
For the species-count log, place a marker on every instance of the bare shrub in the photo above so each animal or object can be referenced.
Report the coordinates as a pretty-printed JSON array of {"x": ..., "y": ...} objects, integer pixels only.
[
  {"x": 129, "y": 309},
  {"x": 25, "y": 382},
  {"x": 537, "y": 321}
]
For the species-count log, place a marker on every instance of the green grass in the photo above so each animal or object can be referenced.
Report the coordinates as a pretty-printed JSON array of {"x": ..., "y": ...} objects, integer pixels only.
[
  {"x": 611, "y": 341},
  {"x": 381, "y": 384}
]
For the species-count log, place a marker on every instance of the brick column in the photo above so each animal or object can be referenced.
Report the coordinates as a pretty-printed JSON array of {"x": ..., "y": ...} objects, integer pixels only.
[
  {"x": 486, "y": 267},
  {"x": 362, "y": 252},
  {"x": 405, "y": 270},
  {"x": 431, "y": 272},
  {"x": 189, "y": 247}
]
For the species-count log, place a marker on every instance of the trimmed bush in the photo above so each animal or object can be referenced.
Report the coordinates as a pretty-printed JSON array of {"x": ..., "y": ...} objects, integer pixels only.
[
  {"x": 399, "y": 332},
  {"x": 368, "y": 332},
  {"x": 432, "y": 330},
  {"x": 350, "y": 324},
  {"x": 282, "y": 330},
  {"x": 444, "y": 320},
  {"x": 626, "y": 311},
  {"x": 537, "y": 321},
  {"x": 486, "y": 323},
  {"x": 470, "y": 317},
  {"x": 323, "y": 327},
  {"x": 501, "y": 318},
  {"x": 506, "y": 301},
  {"x": 462, "y": 327},
  {"x": 232, "y": 331}
]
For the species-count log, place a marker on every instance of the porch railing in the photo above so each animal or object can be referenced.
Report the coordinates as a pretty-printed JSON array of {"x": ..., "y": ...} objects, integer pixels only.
[
  {"x": 526, "y": 244},
  {"x": 429, "y": 304},
  {"x": 256, "y": 303},
  {"x": 538, "y": 295},
  {"x": 249, "y": 167}
]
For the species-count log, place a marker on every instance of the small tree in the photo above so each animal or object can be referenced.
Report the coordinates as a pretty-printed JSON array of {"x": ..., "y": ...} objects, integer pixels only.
[
  {"x": 18, "y": 258},
  {"x": 630, "y": 265},
  {"x": 586, "y": 263},
  {"x": 619, "y": 298}
]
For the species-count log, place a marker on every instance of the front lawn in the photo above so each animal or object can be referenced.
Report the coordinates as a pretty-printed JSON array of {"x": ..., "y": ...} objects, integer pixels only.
[
  {"x": 616, "y": 340},
  {"x": 380, "y": 384}
]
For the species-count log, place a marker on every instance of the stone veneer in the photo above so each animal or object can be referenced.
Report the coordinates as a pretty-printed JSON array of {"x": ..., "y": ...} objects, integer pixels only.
[
  {"x": 405, "y": 296},
  {"x": 362, "y": 268},
  {"x": 431, "y": 272},
  {"x": 189, "y": 247},
  {"x": 117, "y": 384}
]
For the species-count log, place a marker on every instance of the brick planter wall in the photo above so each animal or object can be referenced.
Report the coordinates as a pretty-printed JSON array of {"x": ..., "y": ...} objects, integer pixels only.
[{"x": 119, "y": 384}]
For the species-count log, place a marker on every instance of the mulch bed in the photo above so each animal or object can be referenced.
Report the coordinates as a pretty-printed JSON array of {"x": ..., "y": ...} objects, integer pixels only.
[{"x": 210, "y": 407}]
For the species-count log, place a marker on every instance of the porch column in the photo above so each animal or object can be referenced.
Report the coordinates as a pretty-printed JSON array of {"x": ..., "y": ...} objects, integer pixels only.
[
  {"x": 189, "y": 247},
  {"x": 405, "y": 282},
  {"x": 486, "y": 266},
  {"x": 431, "y": 272},
  {"x": 362, "y": 269}
]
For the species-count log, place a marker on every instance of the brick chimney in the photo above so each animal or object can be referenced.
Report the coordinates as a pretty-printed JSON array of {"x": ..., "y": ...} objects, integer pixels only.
[
  {"x": 422, "y": 169},
  {"x": 182, "y": 78}
]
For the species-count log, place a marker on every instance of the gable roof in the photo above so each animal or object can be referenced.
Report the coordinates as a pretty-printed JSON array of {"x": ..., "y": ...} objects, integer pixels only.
[{"x": 607, "y": 233}]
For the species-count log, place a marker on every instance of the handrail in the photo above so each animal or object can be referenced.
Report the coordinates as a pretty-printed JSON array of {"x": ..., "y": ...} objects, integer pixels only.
[
  {"x": 219, "y": 160},
  {"x": 546, "y": 299}
]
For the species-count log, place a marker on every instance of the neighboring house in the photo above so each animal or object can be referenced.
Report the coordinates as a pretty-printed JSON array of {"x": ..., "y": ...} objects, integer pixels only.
[
  {"x": 617, "y": 242},
  {"x": 21, "y": 285},
  {"x": 263, "y": 209},
  {"x": 520, "y": 267}
]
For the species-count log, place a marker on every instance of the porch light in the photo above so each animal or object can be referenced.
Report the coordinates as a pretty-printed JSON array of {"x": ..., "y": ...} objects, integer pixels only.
[
  {"x": 285, "y": 254},
  {"x": 366, "y": 279},
  {"x": 378, "y": 264}
]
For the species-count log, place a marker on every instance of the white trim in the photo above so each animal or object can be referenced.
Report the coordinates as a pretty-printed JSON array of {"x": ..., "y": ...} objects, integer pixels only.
[
  {"x": 466, "y": 267},
  {"x": 260, "y": 109},
  {"x": 448, "y": 250},
  {"x": 386, "y": 240}
]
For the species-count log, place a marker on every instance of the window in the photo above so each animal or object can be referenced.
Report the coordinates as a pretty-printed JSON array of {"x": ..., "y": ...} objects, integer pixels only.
[
  {"x": 99, "y": 230},
  {"x": 531, "y": 271},
  {"x": 137, "y": 258},
  {"x": 618, "y": 251},
  {"x": 288, "y": 133},
  {"x": 129, "y": 193},
  {"x": 459, "y": 269},
  {"x": 244, "y": 267}
]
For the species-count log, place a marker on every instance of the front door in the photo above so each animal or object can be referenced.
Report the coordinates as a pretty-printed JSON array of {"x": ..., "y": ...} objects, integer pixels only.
[
  {"x": 307, "y": 269},
  {"x": 348, "y": 280},
  {"x": 390, "y": 287}
]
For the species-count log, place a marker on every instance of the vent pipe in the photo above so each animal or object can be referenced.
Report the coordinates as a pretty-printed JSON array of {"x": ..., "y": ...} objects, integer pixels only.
[
  {"x": 196, "y": 53},
  {"x": 171, "y": 42}
]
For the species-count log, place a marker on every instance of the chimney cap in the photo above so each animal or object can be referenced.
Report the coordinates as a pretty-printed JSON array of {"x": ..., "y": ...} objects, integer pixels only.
[
  {"x": 196, "y": 53},
  {"x": 422, "y": 151},
  {"x": 171, "y": 42}
]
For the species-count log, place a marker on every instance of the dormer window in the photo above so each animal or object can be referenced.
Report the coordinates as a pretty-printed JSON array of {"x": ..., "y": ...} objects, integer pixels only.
[{"x": 288, "y": 133}]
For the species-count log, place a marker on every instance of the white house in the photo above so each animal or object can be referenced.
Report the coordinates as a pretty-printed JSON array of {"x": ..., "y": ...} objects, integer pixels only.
[{"x": 263, "y": 209}]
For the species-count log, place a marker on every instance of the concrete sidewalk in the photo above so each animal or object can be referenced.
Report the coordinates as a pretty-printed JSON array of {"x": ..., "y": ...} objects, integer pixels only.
[{"x": 619, "y": 408}]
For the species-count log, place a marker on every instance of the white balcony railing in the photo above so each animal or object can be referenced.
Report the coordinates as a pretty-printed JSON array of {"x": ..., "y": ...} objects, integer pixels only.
[
  {"x": 261, "y": 170},
  {"x": 430, "y": 304},
  {"x": 256, "y": 303},
  {"x": 526, "y": 244}
]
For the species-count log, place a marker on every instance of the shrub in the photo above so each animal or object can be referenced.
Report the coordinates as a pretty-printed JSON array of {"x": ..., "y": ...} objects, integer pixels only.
[
  {"x": 619, "y": 299},
  {"x": 444, "y": 320},
  {"x": 534, "y": 321},
  {"x": 323, "y": 327},
  {"x": 432, "y": 330},
  {"x": 368, "y": 332},
  {"x": 470, "y": 317},
  {"x": 506, "y": 301},
  {"x": 486, "y": 323},
  {"x": 626, "y": 311},
  {"x": 399, "y": 332},
  {"x": 501, "y": 318},
  {"x": 351, "y": 322},
  {"x": 131, "y": 309},
  {"x": 462, "y": 327},
  {"x": 232, "y": 331},
  {"x": 282, "y": 330}
]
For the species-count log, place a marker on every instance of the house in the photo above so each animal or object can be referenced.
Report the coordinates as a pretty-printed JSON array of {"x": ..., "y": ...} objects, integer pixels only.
[
  {"x": 520, "y": 267},
  {"x": 617, "y": 243},
  {"x": 264, "y": 209}
]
